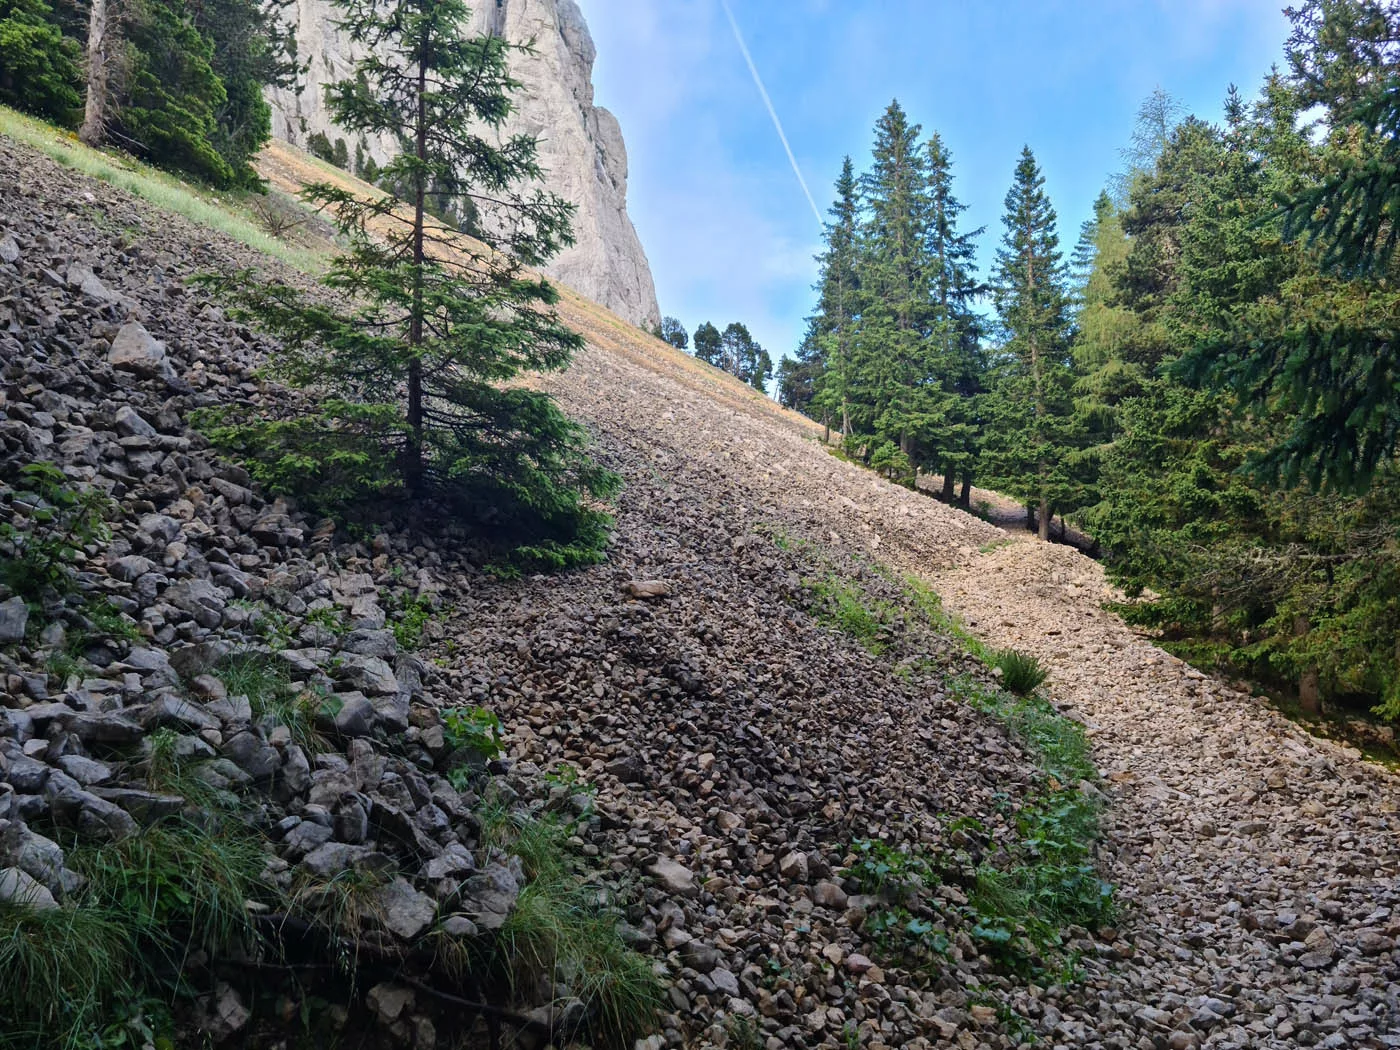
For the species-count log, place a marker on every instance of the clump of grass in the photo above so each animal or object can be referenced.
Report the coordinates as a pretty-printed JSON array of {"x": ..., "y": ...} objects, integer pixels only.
[
  {"x": 178, "y": 887},
  {"x": 63, "y": 968},
  {"x": 1021, "y": 672},
  {"x": 842, "y": 606},
  {"x": 263, "y": 678},
  {"x": 562, "y": 925}
]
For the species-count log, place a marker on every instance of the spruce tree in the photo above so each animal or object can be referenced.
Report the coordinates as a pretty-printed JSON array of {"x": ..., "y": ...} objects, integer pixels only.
[
  {"x": 827, "y": 352},
  {"x": 955, "y": 366},
  {"x": 892, "y": 344},
  {"x": 1033, "y": 431},
  {"x": 407, "y": 396},
  {"x": 39, "y": 66}
]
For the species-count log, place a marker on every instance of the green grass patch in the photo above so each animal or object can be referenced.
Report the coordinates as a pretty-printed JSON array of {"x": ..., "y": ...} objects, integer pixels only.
[
  {"x": 564, "y": 924},
  {"x": 844, "y": 606},
  {"x": 264, "y": 679},
  {"x": 231, "y": 214}
]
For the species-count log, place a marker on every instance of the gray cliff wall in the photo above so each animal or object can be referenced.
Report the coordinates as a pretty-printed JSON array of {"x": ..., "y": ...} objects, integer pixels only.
[{"x": 581, "y": 148}]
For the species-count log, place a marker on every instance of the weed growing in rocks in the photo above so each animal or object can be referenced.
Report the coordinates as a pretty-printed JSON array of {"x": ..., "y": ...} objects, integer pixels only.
[
  {"x": 408, "y": 616},
  {"x": 843, "y": 607},
  {"x": 1020, "y": 672},
  {"x": 474, "y": 728},
  {"x": 566, "y": 925},
  {"x": 49, "y": 523}
]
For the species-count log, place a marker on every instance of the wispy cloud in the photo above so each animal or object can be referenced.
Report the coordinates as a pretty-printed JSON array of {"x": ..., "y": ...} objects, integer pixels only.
[{"x": 772, "y": 112}]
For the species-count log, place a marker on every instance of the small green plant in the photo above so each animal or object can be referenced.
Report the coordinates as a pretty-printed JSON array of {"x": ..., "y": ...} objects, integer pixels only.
[
  {"x": 842, "y": 606},
  {"x": 109, "y": 622},
  {"x": 264, "y": 679},
  {"x": 328, "y": 618},
  {"x": 48, "y": 526},
  {"x": 409, "y": 615},
  {"x": 474, "y": 728},
  {"x": 1020, "y": 672},
  {"x": 891, "y": 872},
  {"x": 743, "y": 1033}
]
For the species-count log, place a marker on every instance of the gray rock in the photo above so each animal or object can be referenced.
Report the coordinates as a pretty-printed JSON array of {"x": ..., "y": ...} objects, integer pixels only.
[
  {"x": 379, "y": 644},
  {"x": 129, "y": 423},
  {"x": 147, "y": 807},
  {"x": 177, "y": 713},
  {"x": 14, "y": 618},
  {"x": 355, "y": 716},
  {"x": 199, "y": 659},
  {"x": 406, "y": 912},
  {"x": 335, "y": 857},
  {"x": 389, "y": 1002},
  {"x": 369, "y": 674},
  {"x": 84, "y": 770},
  {"x": 224, "y": 1015},
  {"x": 103, "y": 727},
  {"x": 20, "y": 888},
  {"x": 259, "y": 760},
  {"x": 489, "y": 896},
  {"x": 674, "y": 877},
  {"x": 304, "y": 838},
  {"x": 9, "y": 249},
  {"x": 135, "y": 350},
  {"x": 160, "y": 527}
]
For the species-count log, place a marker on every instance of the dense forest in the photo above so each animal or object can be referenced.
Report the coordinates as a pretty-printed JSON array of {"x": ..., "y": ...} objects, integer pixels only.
[{"x": 1206, "y": 383}]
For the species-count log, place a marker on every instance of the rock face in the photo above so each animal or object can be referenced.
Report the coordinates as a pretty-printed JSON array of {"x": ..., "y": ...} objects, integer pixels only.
[{"x": 580, "y": 144}]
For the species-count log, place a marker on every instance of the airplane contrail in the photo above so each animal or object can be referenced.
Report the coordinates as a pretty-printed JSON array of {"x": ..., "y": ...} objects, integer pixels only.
[{"x": 778, "y": 124}]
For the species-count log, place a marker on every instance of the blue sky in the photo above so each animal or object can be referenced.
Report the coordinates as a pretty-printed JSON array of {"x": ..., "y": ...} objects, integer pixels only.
[{"x": 723, "y": 220}]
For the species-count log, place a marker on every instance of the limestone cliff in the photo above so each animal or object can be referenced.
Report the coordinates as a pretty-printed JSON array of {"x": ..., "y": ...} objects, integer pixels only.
[{"x": 581, "y": 148}]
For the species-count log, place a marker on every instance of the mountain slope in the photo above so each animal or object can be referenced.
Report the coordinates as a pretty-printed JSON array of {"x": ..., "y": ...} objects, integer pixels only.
[{"x": 748, "y": 697}]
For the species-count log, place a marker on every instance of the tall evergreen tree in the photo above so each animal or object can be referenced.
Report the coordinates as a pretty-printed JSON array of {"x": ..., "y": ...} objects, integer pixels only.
[
  {"x": 955, "y": 366},
  {"x": 1034, "y": 426},
  {"x": 829, "y": 344},
  {"x": 892, "y": 344},
  {"x": 409, "y": 403}
]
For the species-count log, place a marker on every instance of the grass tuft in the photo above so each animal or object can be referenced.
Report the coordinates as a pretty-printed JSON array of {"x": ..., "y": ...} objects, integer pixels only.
[
  {"x": 563, "y": 925},
  {"x": 1020, "y": 672}
]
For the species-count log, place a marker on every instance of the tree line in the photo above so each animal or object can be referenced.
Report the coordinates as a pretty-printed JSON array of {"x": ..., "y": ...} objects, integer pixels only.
[
  {"x": 1207, "y": 383},
  {"x": 734, "y": 350},
  {"x": 176, "y": 83}
]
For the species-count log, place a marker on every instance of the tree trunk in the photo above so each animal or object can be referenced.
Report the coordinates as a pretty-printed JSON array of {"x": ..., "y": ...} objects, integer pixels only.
[
  {"x": 948, "y": 483},
  {"x": 413, "y": 465},
  {"x": 1309, "y": 684},
  {"x": 1030, "y": 517},
  {"x": 94, "y": 129},
  {"x": 965, "y": 496},
  {"x": 1044, "y": 532}
]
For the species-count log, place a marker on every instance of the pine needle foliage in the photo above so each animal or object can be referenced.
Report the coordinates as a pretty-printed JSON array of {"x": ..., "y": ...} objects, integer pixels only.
[{"x": 407, "y": 381}]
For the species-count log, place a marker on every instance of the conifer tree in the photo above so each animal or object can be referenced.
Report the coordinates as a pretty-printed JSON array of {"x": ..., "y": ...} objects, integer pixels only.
[
  {"x": 829, "y": 344},
  {"x": 892, "y": 341},
  {"x": 955, "y": 364},
  {"x": 1034, "y": 428},
  {"x": 706, "y": 341},
  {"x": 408, "y": 398}
]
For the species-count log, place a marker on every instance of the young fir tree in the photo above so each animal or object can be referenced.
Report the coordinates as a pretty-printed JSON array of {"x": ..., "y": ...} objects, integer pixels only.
[
  {"x": 408, "y": 401},
  {"x": 827, "y": 350},
  {"x": 1028, "y": 445},
  {"x": 39, "y": 66}
]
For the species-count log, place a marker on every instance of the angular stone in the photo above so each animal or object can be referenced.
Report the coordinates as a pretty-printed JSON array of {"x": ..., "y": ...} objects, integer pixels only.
[
  {"x": 84, "y": 770},
  {"x": 674, "y": 877},
  {"x": 135, "y": 350},
  {"x": 129, "y": 423},
  {"x": 369, "y": 674},
  {"x": 647, "y": 588},
  {"x": 177, "y": 713},
  {"x": 489, "y": 896},
  {"x": 406, "y": 912},
  {"x": 20, "y": 888},
  {"x": 14, "y": 618}
]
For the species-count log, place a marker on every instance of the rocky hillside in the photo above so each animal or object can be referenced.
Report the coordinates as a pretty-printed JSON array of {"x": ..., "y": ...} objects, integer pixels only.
[
  {"x": 760, "y": 742},
  {"x": 580, "y": 144}
]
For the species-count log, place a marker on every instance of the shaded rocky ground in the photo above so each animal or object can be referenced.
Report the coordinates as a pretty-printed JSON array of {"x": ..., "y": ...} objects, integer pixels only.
[{"x": 725, "y": 748}]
